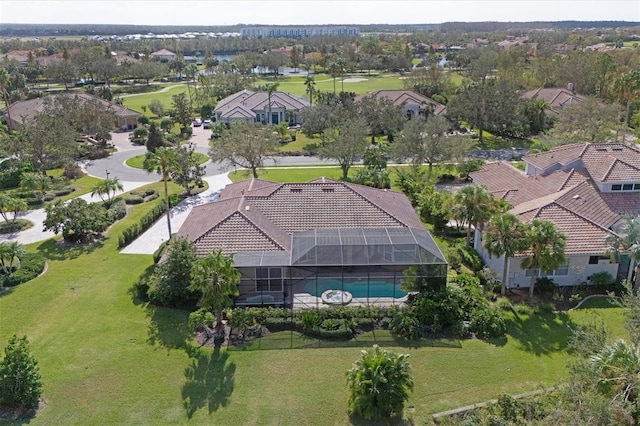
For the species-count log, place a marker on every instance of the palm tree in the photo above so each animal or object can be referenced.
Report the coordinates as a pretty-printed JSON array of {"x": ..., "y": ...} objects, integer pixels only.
[
  {"x": 628, "y": 240},
  {"x": 505, "y": 237},
  {"x": 626, "y": 87},
  {"x": 108, "y": 188},
  {"x": 217, "y": 279},
  {"x": 475, "y": 206},
  {"x": 617, "y": 368},
  {"x": 4, "y": 81},
  {"x": 341, "y": 64},
  {"x": 334, "y": 71},
  {"x": 35, "y": 182},
  {"x": 270, "y": 89},
  {"x": 545, "y": 244},
  {"x": 9, "y": 253},
  {"x": 162, "y": 161},
  {"x": 191, "y": 71},
  {"x": 310, "y": 83}
]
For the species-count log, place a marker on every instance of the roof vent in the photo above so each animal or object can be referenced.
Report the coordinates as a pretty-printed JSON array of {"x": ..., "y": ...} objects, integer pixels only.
[
  {"x": 296, "y": 189},
  {"x": 247, "y": 207},
  {"x": 327, "y": 189},
  {"x": 601, "y": 149},
  {"x": 576, "y": 197},
  {"x": 616, "y": 149}
]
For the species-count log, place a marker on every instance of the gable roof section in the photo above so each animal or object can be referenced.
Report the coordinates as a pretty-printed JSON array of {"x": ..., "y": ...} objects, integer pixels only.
[
  {"x": 250, "y": 102},
  {"x": 557, "y": 98},
  {"x": 405, "y": 97},
  {"x": 258, "y": 215}
]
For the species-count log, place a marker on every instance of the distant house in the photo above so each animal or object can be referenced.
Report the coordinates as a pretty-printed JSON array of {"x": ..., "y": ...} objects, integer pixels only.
[
  {"x": 23, "y": 111},
  {"x": 413, "y": 103},
  {"x": 292, "y": 242},
  {"x": 163, "y": 54},
  {"x": 253, "y": 106},
  {"x": 558, "y": 98},
  {"x": 584, "y": 189}
]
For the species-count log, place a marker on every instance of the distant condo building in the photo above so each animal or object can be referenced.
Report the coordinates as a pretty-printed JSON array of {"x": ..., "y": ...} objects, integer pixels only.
[{"x": 297, "y": 32}]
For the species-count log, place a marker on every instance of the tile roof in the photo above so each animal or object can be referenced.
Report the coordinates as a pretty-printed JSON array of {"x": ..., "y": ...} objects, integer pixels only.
[
  {"x": 22, "y": 111},
  {"x": 257, "y": 215},
  {"x": 557, "y": 98},
  {"x": 406, "y": 97},
  {"x": 246, "y": 103}
]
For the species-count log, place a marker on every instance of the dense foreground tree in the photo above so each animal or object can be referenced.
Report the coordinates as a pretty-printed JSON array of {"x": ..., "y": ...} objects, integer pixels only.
[
  {"x": 588, "y": 121},
  {"x": 245, "y": 145},
  {"x": 20, "y": 380},
  {"x": 628, "y": 241},
  {"x": 169, "y": 285},
  {"x": 424, "y": 142},
  {"x": 77, "y": 219},
  {"x": 346, "y": 144},
  {"x": 379, "y": 384}
]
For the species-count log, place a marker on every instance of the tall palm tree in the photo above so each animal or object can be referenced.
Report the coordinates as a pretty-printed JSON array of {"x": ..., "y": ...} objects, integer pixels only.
[
  {"x": 162, "y": 161},
  {"x": 627, "y": 87},
  {"x": 217, "y": 279},
  {"x": 505, "y": 236},
  {"x": 4, "y": 82},
  {"x": 342, "y": 67},
  {"x": 545, "y": 244},
  {"x": 107, "y": 188},
  {"x": 310, "y": 83},
  {"x": 333, "y": 72},
  {"x": 475, "y": 206},
  {"x": 628, "y": 240}
]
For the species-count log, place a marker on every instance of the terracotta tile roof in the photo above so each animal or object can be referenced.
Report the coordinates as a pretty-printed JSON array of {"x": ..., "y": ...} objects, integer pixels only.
[
  {"x": 269, "y": 213},
  {"x": 406, "y": 97},
  {"x": 557, "y": 98},
  {"x": 561, "y": 155}
]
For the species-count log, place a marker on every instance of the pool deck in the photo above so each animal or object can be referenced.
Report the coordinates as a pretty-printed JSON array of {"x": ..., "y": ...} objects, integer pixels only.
[{"x": 306, "y": 301}]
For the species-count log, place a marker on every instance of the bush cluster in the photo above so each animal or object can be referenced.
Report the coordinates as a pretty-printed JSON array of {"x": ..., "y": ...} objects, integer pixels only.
[
  {"x": 31, "y": 265},
  {"x": 456, "y": 309},
  {"x": 131, "y": 233}
]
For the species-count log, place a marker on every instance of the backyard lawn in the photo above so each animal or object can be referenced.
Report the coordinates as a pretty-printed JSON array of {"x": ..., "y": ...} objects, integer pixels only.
[
  {"x": 164, "y": 95},
  {"x": 107, "y": 358}
]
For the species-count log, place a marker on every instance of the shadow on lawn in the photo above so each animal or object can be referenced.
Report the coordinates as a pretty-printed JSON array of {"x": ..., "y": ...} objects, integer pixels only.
[
  {"x": 210, "y": 380},
  {"x": 541, "y": 334},
  {"x": 168, "y": 327},
  {"x": 59, "y": 250}
]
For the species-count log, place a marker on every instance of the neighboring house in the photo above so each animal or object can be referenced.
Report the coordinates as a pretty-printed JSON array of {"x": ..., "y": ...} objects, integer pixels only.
[
  {"x": 163, "y": 54},
  {"x": 23, "y": 111},
  {"x": 293, "y": 241},
  {"x": 558, "y": 98},
  {"x": 413, "y": 103},
  {"x": 584, "y": 189},
  {"x": 254, "y": 107}
]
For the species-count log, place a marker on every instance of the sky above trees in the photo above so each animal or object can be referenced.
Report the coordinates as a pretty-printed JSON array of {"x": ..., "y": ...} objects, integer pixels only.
[{"x": 311, "y": 12}]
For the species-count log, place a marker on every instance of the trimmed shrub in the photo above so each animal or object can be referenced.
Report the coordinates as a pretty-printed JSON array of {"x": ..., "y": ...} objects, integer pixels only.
[
  {"x": 487, "y": 323},
  {"x": 31, "y": 265},
  {"x": 200, "y": 318},
  {"x": 132, "y": 232},
  {"x": 64, "y": 191},
  {"x": 405, "y": 324},
  {"x": 117, "y": 210},
  {"x": 133, "y": 199},
  {"x": 20, "y": 379}
]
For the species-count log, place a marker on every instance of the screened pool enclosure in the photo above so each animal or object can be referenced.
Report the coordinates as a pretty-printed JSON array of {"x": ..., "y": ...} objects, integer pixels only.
[{"x": 355, "y": 267}]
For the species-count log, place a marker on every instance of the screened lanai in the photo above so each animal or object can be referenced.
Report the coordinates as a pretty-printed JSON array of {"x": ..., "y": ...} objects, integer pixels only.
[{"x": 354, "y": 266}]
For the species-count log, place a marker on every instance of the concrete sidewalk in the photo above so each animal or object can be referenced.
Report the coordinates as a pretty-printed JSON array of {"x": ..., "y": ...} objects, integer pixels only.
[{"x": 150, "y": 240}]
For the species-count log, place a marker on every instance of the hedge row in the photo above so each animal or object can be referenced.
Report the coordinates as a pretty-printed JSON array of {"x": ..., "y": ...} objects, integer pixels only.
[
  {"x": 31, "y": 265},
  {"x": 132, "y": 232}
]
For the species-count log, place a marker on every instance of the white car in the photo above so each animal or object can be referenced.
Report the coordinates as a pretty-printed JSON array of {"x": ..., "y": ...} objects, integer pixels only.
[
  {"x": 197, "y": 122},
  {"x": 206, "y": 124}
]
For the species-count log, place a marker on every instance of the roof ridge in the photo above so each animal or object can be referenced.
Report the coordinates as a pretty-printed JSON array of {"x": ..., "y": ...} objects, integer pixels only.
[
  {"x": 351, "y": 187},
  {"x": 259, "y": 229},
  {"x": 583, "y": 218}
]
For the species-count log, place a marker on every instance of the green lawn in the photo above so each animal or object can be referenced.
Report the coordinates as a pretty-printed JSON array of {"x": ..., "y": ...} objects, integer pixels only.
[
  {"x": 107, "y": 358},
  {"x": 324, "y": 83},
  {"x": 135, "y": 102}
]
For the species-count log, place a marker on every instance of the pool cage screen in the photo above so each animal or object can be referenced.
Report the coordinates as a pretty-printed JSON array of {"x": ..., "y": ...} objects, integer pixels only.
[{"x": 330, "y": 268}]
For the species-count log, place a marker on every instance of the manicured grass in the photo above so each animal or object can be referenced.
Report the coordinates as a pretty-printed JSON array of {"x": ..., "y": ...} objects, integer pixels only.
[
  {"x": 137, "y": 162},
  {"x": 83, "y": 185},
  {"x": 135, "y": 102},
  {"x": 107, "y": 358},
  {"x": 324, "y": 83},
  {"x": 294, "y": 174}
]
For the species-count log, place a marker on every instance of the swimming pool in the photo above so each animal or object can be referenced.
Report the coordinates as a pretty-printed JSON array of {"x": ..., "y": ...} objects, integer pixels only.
[{"x": 360, "y": 289}]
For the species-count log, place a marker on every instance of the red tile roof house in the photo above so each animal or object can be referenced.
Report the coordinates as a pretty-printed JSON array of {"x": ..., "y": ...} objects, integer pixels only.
[
  {"x": 584, "y": 189},
  {"x": 412, "y": 103},
  {"x": 22, "y": 111},
  {"x": 558, "y": 98},
  {"x": 294, "y": 241},
  {"x": 250, "y": 106}
]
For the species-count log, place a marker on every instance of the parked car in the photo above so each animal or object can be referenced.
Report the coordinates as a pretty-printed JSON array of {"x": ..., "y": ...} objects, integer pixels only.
[
  {"x": 206, "y": 124},
  {"x": 197, "y": 122}
]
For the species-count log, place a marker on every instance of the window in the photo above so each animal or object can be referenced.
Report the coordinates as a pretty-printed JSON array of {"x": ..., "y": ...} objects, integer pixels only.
[
  {"x": 269, "y": 279},
  {"x": 616, "y": 187},
  {"x": 636, "y": 187},
  {"x": 561, "y": 271},
  {"x": 594, "y": 260},
  {"x": 627, "y": 187}
]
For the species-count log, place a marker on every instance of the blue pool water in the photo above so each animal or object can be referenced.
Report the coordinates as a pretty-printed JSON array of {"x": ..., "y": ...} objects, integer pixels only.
[{"x": 359, "y": 289}]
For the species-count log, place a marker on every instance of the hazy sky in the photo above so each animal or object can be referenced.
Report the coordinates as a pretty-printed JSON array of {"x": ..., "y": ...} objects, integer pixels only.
[{"x": 227, "y": 12}]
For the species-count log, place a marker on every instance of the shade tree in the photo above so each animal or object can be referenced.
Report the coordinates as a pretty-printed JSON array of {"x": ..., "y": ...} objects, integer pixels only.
[{"x": 346, "y": 143}]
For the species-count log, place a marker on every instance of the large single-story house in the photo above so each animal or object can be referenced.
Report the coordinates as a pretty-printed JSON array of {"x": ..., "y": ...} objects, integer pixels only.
[
  {"x": 584, "y": 189},
  {"x": 412, "y": 103},
  {"x": 251, "y": 106},
  {"x": 163, "y": 54},
  {"x": 292, "y": 242},
  {"x": 23, "y": 111},
  {"x": 558, "y": 98}
]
